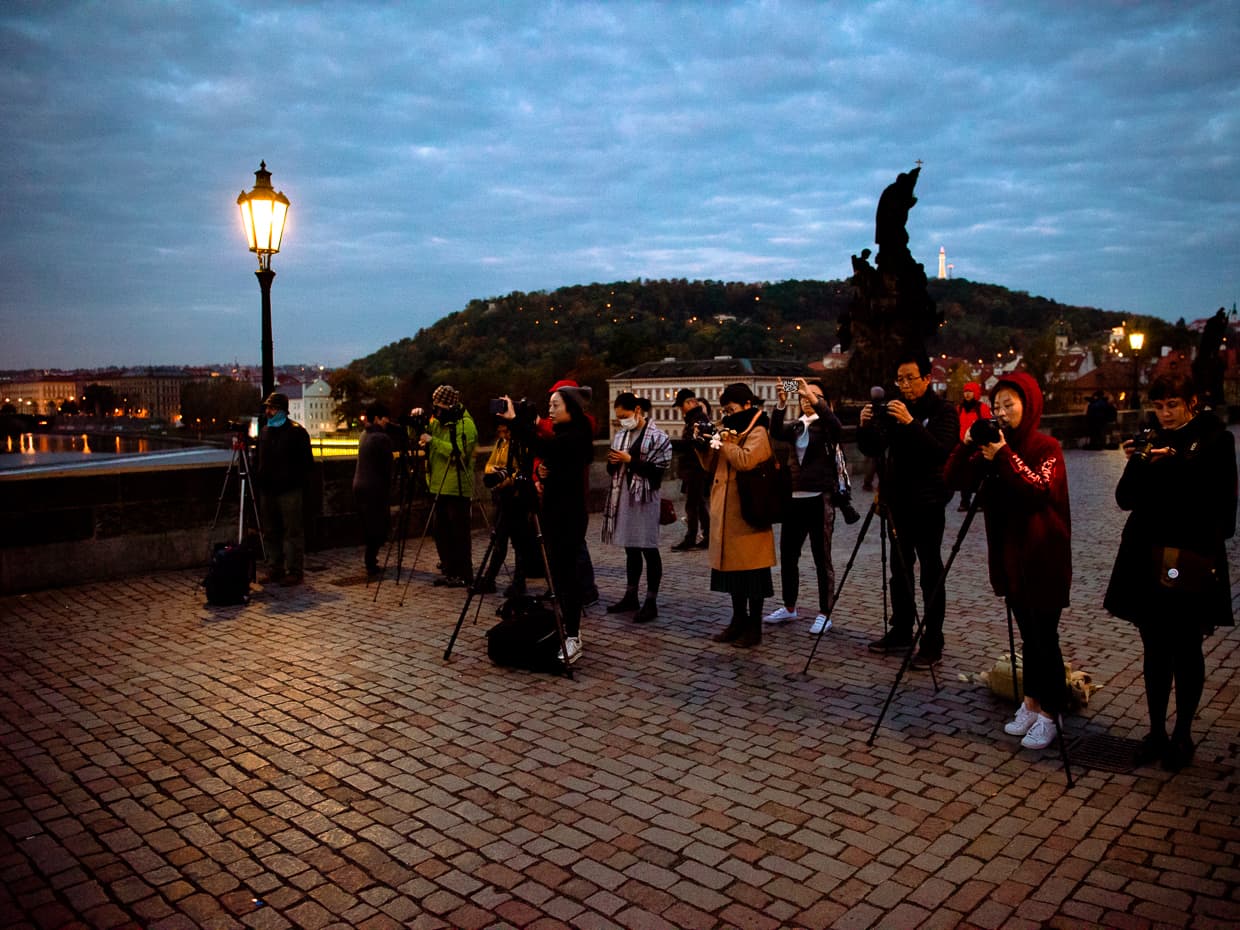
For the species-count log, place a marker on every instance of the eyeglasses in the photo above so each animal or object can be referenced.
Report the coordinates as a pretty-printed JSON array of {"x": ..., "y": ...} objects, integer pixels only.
[{"x": 909, "y": 379}]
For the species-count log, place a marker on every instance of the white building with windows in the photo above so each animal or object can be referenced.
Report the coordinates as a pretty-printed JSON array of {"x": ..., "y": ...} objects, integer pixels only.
[{"x": 312, "y": 406}]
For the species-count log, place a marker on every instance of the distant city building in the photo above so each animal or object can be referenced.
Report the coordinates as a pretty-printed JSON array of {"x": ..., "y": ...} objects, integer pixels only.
[
  {"x": 707, "y": 378},
  {"x": 311, "y": 405}
]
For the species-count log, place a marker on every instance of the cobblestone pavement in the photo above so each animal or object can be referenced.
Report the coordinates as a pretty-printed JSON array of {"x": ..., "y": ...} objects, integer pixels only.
[{"x": 310, "y": 760}]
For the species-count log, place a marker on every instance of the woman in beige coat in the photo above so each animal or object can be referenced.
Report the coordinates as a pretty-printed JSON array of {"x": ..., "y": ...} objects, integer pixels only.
[{"x": 741, "y": 555}]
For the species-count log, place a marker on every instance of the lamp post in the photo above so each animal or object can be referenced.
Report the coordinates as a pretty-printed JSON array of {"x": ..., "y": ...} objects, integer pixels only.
[
  {"x": 1135, "y": 342},
  {"x": 263, "y": 212}
]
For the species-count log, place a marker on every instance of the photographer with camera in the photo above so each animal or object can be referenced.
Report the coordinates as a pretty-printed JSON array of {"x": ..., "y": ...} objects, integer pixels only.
[
  {"x": 508, "y": 473},
  {"x": 372, "y": 483},
  {"x": 915, "y": 434},
  {"x": 1171, "y": 577},
  {"x": 563, "y": 468},
  {"x": 449, "y": 441},
  {"x": 693, "y": 480},
  {"x": 284, "y": 462},
  {"x": 814, "y": 437},
  {"x": 639, "y": 455},
  {"x": 741, "y": 555},
  {"x": 1028, "y": 539}
]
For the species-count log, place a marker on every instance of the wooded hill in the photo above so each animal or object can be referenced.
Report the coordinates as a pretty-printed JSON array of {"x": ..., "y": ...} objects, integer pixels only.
[{"x": 522, "y": 343}]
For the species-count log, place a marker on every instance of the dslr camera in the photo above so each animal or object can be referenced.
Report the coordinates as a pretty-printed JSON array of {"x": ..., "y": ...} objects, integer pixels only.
[
  {"x": 703, "y": 432},
  {"x": 984, "y": 432},
  {"x": 524, "y": 408},
  {"x": 416, "y": 424}
]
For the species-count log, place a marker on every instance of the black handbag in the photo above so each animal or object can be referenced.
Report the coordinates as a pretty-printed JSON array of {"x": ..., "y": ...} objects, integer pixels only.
[{"x": 764, "y": 491}]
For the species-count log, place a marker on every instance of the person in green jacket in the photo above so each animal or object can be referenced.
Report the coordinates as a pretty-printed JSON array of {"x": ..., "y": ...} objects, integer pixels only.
[{"x": 449, "y": 442}]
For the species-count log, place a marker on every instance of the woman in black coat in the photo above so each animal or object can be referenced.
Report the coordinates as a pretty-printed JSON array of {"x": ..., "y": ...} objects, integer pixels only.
[{"x": 1171, "y": 576}]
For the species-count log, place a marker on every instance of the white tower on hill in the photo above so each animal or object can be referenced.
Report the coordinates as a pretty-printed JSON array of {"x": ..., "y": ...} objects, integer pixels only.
[{"x": 942, "y": 263}]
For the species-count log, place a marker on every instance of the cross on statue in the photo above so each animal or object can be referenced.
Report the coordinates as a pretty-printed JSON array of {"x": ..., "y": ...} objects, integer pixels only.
[{"x": 918, "y": 163}]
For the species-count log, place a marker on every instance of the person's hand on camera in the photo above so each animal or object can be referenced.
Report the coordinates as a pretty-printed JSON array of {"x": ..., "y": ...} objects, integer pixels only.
[
  {"x": 991, "y": 449},
  {"x": 510, "y": 412},
  {"x": 780, "y": 393},
  {"x": 867, "y": 414},
  {"x": 899, "y": 412},
  {"x": 424, "y": 439}
]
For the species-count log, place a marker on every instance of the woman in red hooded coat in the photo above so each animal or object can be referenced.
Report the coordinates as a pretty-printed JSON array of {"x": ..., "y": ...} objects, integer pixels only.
[
  {"x": 1028, "y": 541},
  {"x": 972, "y": 408}
]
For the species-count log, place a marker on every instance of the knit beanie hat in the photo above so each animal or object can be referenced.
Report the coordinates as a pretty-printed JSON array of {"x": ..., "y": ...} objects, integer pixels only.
[{"x": 446, "y": 396}]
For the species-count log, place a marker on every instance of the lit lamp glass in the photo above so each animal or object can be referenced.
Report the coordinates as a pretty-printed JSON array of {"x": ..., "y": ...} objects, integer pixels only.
[
  {"x": 263, "y": 213},
  {"x": 1136, "y": 341}
]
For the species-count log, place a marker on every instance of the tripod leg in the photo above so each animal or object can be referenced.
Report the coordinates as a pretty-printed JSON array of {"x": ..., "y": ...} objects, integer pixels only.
[
  {"x": 1063, "y": 749},
  {"x": 551, "y": 592},
  {"x": 919, "y": 625},
  {"x": 1012, "y": 657},
  {"x": 487, "y": 557},
  {"x": 865, "y": 526}
]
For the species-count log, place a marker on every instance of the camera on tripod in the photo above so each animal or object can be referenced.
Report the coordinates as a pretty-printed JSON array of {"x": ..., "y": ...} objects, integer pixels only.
[
  {"x": 244, "y": 431},
  {"x": 416, "y": 423},
  {"x": 1143, "y": 443},
  {"x": 984, "y": 432}
]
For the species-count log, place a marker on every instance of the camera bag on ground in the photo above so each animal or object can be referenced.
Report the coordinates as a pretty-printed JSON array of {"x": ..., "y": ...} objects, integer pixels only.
[
  {"x": 228, "y": 576},
  {"x": 526, "y": 636}
]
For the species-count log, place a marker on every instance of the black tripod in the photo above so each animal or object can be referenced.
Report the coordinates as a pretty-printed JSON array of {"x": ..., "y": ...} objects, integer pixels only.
[
  {"x": 411, "y": 482},
  {"x": 240, "y": 466},
  {"x": 938, "y": 591},
  {"x": 522, "y": 483}
]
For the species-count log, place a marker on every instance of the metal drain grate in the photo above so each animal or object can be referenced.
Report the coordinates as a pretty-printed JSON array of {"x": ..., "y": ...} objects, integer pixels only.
[{"x": 1108, "y": 753}]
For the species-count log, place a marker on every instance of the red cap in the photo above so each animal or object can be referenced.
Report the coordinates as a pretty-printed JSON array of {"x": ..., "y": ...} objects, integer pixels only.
[{"x": 563, "y": 384}]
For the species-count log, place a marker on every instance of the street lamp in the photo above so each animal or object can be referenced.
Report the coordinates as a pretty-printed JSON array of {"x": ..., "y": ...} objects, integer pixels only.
[
  {"x": 263, "y": 212},
  {"x": 1135, "y": 342}
]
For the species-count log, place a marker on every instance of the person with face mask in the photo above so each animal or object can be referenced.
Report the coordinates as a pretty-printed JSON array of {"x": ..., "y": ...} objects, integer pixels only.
[
  {"x": 1028, "y": 542},
  {"x": 639, "y": 455},
  {"x": 450, "y": 440},
  {"x": 741, "y": 555},
  {"x": 1171, "y": 577}
]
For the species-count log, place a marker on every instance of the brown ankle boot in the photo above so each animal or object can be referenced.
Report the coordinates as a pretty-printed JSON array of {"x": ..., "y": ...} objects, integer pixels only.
[{"x": 730, "y": 633}]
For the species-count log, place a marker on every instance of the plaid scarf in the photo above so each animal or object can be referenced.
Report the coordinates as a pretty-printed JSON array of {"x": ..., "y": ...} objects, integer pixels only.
[{"x": 653, "y": 447}]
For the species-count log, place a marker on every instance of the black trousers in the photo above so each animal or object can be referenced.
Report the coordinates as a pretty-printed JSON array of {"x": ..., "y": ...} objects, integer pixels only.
[
  {"x": 372, "y": 509},
  {"x": 811, "y": 517},
  {"x": 920, "y": 535},
  {"x": 1173, "y": 653},
  {"x": 697, "y": 504},
  {"x": 1043, "y": 659},
  {"x": 452, "y": 536}
]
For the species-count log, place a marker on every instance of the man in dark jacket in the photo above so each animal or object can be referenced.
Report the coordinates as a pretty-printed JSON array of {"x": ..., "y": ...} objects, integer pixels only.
[
  {"x": 284, "y": 462},
  {"x": 915, "y": 434},
  {"x": 813, "y": 436},
  {"x": 693, "y": 479},
  {"x": 372, "y": 483}
]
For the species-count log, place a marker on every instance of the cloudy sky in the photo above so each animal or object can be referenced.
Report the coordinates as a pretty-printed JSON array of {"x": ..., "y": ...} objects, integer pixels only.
[{"x": 439, "y": 152}]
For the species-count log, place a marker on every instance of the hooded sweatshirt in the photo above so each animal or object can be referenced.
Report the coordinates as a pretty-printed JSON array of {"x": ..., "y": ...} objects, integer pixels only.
[{"x": 1028, "y": 524}]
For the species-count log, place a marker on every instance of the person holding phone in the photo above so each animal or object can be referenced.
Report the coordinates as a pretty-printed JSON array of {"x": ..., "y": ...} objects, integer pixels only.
[{"x": 814, "y": 436}]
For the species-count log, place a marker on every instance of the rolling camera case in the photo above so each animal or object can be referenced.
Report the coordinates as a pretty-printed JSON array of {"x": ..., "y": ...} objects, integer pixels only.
[
  {"x": 526, "y": 636},
  {"x": 228, "y": 576}
]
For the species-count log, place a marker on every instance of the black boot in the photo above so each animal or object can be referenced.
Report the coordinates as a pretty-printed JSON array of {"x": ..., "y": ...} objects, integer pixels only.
[
  {"x": 731, "y": 632},
  {"x": 628, "y": 602},
  {"x": 649, "y": 610},
  {"x": 684, "y": 545}
]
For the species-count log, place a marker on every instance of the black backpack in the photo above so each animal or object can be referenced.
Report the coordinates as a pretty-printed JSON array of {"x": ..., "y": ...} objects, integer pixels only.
[
  {"x": 526, "y": 636},
  {"x": 228, "y": 576}
]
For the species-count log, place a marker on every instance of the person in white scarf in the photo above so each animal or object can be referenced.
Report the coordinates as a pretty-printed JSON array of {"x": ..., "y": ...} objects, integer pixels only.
[
  {"x": 639, "y": 455},
  {"x": 814, "y": 436}
]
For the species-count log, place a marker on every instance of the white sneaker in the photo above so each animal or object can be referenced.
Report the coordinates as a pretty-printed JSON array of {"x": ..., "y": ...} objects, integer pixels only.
[
  {"x": 781, "y": 615},
  {"x": 573, "y": 645},
  {"x": 821, "y": 625},
  {"x": 1041, "y": 734},
  {"x": 1020, "y": 724}
]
